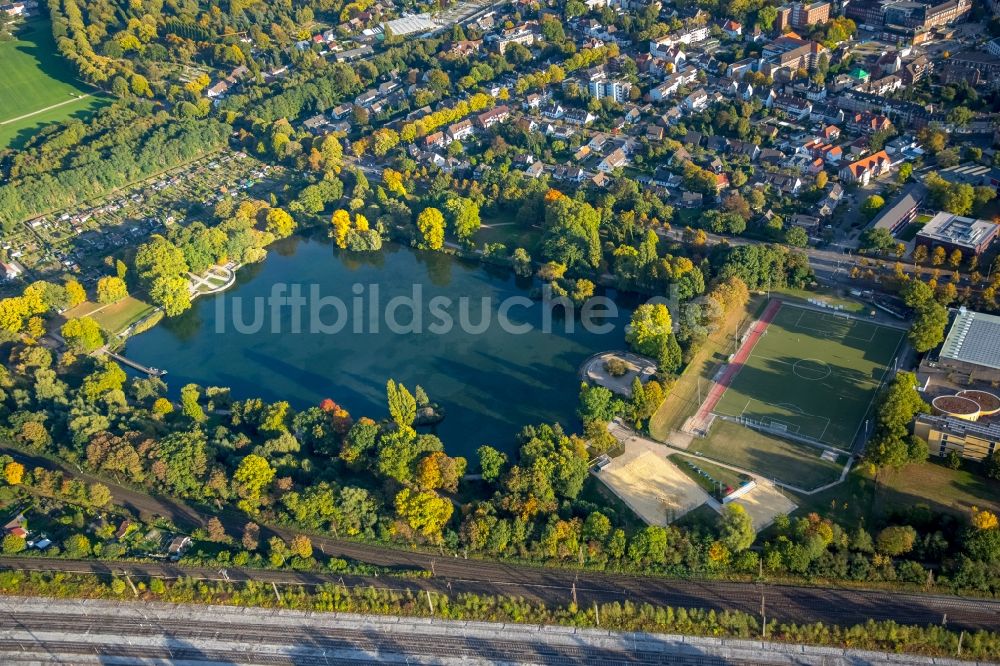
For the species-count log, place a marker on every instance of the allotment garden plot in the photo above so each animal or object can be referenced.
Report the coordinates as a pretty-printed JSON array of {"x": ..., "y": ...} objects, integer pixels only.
[{"x": 812, "y": 375}]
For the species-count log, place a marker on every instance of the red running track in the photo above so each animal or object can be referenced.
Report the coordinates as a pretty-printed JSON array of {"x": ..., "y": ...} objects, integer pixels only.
[{"x": 734, "y": 367}]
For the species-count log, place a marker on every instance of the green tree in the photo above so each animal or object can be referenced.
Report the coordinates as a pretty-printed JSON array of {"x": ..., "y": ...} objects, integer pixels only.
[
  {"x": 76, "y": 546},
  {"x": 892, "y": 445},
  {"x": 402, "y": 404},
  {"x": 13, "y": 544},
  {"x": 491, "y": 462},
  {"x": 190, "y": 407},
  {"x": 736, "y": 530},
  {"x": 896, "y": 540},
  {"x": 464, "y": 214},
  {"x": 872, "y": 206}
]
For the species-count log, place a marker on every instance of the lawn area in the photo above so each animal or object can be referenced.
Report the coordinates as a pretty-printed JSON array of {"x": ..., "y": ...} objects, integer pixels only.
[
  {"x": 115, "y": 317},
  {"x": 716, "y": 474},
  {"x": 859, "y": 499},
  {"x": 771, "y": 457},
  {"x": 813, "y": 374},
  {"x": 683, "y": 398},
  {"x": 501, "y": 229},
  {"x": 827, "y": 296},
  {"x": 36, "y": 77}
]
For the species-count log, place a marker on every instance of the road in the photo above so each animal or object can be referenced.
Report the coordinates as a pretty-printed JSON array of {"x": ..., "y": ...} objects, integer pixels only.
[
  {"x": 108, "y": 632},
  {"x": 452, "y": 574}
]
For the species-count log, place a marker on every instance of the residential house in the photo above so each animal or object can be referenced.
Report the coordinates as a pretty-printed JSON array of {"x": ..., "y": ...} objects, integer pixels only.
[
  {"x": 579, "y": 117},
  {"x": 867, "y": 168},
  {"x": 697, "y": 100},
  {"x": 733, "y": 29},
  {"x": 493, "y": 117},
  {"x": 616, "y": 159},
  {"x": 461, "y": 130}
]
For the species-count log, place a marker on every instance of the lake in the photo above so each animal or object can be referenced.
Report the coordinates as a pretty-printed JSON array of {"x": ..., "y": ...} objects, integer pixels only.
[{"x": 490, "y": 382}]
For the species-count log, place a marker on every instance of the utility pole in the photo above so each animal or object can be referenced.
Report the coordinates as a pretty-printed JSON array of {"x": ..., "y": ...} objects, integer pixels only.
[
  {"x": 430, "y": 604},
  {"x": 961, "y": 637},
  {"x": 135, "y": 592},
  {"x": 276, "y": 593},
  {"x": 597, "y": 614},
  {"x": 574, "y": 593},
  {"x": 763, "y": 616}
]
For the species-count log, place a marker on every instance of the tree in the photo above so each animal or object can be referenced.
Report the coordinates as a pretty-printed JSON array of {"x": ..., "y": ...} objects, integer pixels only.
[
  {"x": 571, "y": 232},
  {"x": 111, "y": 290},
  {"x": 896, "y": 540},
  {"x": 252, "y": 475},
  {"x": 928, "y": 328},
  {"x": 821, "y": 180},
  {"x": 301, "y": 545},
  {"x": 736, "y": 530},
  {"x": 872, "y": 206},
  {"x": 13, "y": 473},
  {"x": 423, "y": 511},
  {"x": 75, "y": 293},
  {"x": 464, "y": 215},
  {"x": 892, "y": 445},
  {"x": 341, "y": 226},
  {"x": 251, "y": 536},
  {"x": 491, "y": 462},
  {"x": 216, "y": 532},
  {"x": 279, "y": 223},
  {"x": 877, "y": 239},
  {"x": 430, "y": 222},
  {"x": 13, "y": 544},
  {"x": 190, "y": 395},
  {"x": 402, "y": 404},
  {"x": 76, "y": 546},
  {"x": 172, "y": 294},
  {"x": 649, "y": 329},
  {"x": 796, "y": 237},
  {"x": 82, "y": 335}
]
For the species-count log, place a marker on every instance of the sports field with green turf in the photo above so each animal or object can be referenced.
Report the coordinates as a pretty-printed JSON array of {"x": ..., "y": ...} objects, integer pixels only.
[
  {"x": 38, "y": 86},
  {"x": 812, "y": 374}
]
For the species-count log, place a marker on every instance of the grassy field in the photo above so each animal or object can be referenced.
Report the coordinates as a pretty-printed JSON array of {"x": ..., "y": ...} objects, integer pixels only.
[
  {"x": 812, "y": 374},
  {"x": 771, "y": 457},
  {"x": 683, "y": 399},
  {"x": 501, "y": 229},
  {"x": 35, "y": 77},
  {"x": 860, "y": 500},
  {"x": 115, "y": 317}
]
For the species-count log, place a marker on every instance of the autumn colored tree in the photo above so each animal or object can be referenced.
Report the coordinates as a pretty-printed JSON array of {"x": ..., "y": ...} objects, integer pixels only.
[
  {"x": 430, "y": 222},
  {"x": 13, "y": 473}
]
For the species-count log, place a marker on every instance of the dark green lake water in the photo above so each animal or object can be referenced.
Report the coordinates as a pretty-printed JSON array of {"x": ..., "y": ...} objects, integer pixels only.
[{"x": 490, "y": 383}]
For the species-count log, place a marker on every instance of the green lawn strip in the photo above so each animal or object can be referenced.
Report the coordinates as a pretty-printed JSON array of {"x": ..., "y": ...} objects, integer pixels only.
[
  {"x": 830, "y": 297},
  {"x": 770, "y": 457},
  {"x": 683, "y": 398},
  {"x": 703, "y": 518},
  {"x": 725, "y": 477},
  {"x": 112, "y": 318}
]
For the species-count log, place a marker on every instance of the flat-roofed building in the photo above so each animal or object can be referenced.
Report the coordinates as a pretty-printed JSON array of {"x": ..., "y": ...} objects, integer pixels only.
[
  {"x": 902, "y": 211},
  {"x": 954, "y": 232},
  {"x": 971, "y": 350},
  {"x": 974, "y": 440}
]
